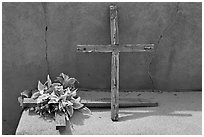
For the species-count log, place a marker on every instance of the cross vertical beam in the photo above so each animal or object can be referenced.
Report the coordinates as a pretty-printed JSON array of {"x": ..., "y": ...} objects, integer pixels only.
[{"x": 115, "y": 63}]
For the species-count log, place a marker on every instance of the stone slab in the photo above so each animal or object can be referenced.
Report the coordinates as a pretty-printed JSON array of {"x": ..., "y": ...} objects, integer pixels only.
[{"x": 179, "y": 113}]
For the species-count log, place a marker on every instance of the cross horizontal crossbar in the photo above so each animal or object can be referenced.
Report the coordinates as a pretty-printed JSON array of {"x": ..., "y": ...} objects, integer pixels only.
[
  {"x": 103, "y": 102},
  {"x": 29, "y": 102},
  {"x": 120, "y": 48}
]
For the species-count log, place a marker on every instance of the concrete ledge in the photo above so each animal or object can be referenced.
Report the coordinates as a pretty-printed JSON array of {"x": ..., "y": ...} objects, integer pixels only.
[{"x": 178, "y": 113}]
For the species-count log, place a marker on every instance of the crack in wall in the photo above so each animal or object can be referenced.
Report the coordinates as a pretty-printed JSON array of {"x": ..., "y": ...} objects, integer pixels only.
[
  {"x": 177, "y": 7},
  {"x": 150, "y": 62},
  {"x": 44, "y": 5},
  {"x": 178, "y": 11}
]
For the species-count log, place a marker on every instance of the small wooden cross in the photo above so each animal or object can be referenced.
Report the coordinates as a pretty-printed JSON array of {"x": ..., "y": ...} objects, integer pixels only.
[
  {"x": 59, "y": 117},
  {"x": 115, "y": 49}
]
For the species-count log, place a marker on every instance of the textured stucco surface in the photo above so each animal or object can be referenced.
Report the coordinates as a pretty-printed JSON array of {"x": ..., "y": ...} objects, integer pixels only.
[{"x": 30, "y": 52}]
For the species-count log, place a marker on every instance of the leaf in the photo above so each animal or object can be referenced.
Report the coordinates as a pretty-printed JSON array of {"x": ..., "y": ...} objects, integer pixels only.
[
  {"x": 63, "y": 104},
  {"x": 35, "y": 95},
  {"x": 78, "y": 99},
  {"x": 41, "y": 87},
  {"x": 56, "y": 93},
  {"x": 55, "y": 84},
  {"x": 34, "y": 91},
  {"x": 70, "y": 110},
  {"x": 53, "y": 96},
  {"x": 26, "y": 93},
  {"x": 71, "y": 81},
  {"x": 77, "y": 105},
  {"x": 20, "y": 100},
  {"x": 60, "y": 106},
  {"x": 53, "y": 93},
  {"x": 41, "y": 98},
  {"x": 59, "y": 79},
  {"x": 68, "y": 103},
  {"x": 65, "y": 80},
  {"x": 61, "y": 92},
  {"x": 66, "y": 117},
  {"x": 86, "y": 110},
  {"x": 59, "y": 88},
  {"x": 50, "y": 90},
  {"x": 52, "y": 101},
  {"x": 74, "y": 93},
  {"x": 64, "y": 76},
  {"x": 67, "y": 91},
  {"x": 49, "y": 81},
  {"x": 63, "y": 97}
]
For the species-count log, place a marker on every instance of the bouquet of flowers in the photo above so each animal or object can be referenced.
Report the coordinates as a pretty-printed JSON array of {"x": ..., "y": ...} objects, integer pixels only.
[{"x": 60, "y": 96}]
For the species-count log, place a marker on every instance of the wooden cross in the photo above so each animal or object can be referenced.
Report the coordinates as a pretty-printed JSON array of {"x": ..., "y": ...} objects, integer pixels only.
[
  {"x": 59, "y": 117},
  {"x": 115, "y": 49}
]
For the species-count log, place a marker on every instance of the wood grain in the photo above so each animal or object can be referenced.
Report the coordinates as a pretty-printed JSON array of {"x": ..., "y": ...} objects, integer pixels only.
[
  {"x": 29, "y": 102},
  {"x": 114, "y": 25},
  {"x": 114, "y": 64},
  {"x": 60, "y": 120},
  {"x": 120, "y": 48},
  {"x": 123, "y": 101}
]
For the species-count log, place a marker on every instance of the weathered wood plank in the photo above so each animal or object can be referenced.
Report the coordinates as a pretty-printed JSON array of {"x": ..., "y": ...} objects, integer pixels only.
[
  {"x": 115, "y": 63},
  {"x": 115, "y": 86},
  {"x": 29, "y": 102},
  {"x": 60, "y": 120},
  {"x": 114, "y": 25},
  {"x": 121, "y": 48},
  {"x": 124, "y": 102},
  {"x": 103, "y": 102},
  {"x": 95, "y": 48},
  {"x": 136, "y": 47}
]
